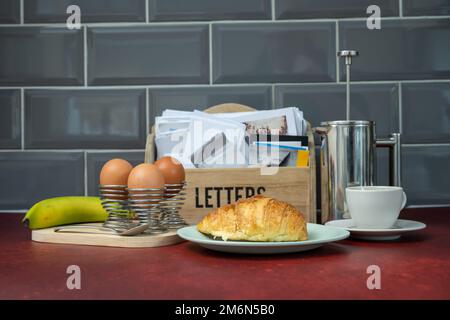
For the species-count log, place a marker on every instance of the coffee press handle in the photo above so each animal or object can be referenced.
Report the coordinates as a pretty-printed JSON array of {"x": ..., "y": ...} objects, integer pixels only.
[{"x": 395, "y": 158}]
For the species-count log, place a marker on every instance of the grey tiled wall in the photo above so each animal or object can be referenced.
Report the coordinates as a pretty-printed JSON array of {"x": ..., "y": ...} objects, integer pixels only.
[{"x": 72, "y": 99}]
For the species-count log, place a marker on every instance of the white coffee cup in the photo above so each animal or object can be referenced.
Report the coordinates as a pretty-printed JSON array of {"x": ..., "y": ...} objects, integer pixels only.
[{"x": 375, "y": 207}]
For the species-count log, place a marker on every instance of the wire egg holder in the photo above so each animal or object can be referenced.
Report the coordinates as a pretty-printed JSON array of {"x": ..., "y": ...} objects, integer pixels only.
[
  {"x": 114, "y": 199},
  {"x": 174, "y": 197},
  {"x": 146, "y": 204},
  {"x": 158, "y": 207}
]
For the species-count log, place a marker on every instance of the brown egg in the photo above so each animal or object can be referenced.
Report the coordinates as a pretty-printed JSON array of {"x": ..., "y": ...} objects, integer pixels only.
[
  {"x": 115, "y": 172},
  {"x": 172, "y": 170},
  {"x": 145, "y": 175}
]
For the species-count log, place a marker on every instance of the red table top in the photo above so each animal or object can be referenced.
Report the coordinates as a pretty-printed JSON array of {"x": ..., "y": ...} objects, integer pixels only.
[{"x": 413, "y": 267}]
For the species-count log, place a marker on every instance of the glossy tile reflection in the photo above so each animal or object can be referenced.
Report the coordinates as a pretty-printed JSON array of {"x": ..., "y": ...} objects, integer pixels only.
[
  {"x": 430, "y": 101},
  {"x": 35, "y": 56},
  {"x": 282, "y": 52},
  {"x": 9, "y": 11},
  {"x": 10, "y": 119},
  {"x": 405, "y": 49},
  {"x": 38, "y": 11},
  {"x": 33, "y": 176},
  {"x": 148, "y": 55},
  {"x": 176, "y": 10},
  {"x": 426, "y": 8},
  {"x": 85, "y": 119},
  {"x": 426, "y": 175},
  {"x": 307, "y": 9},
  {"x": 382, "y": 167}
]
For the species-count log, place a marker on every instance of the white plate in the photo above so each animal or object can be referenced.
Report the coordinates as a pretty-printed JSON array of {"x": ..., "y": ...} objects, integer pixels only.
[
  {"x": 400, "y": 227},
  {"x": 318, "y": 235}
]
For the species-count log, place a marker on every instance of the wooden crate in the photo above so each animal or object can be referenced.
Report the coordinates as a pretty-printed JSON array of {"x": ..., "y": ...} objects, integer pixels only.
[{"x": 209, "y": 188}]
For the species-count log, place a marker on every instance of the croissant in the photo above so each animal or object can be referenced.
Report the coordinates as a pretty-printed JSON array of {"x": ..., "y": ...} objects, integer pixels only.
[{"x": 258, "y": 218}]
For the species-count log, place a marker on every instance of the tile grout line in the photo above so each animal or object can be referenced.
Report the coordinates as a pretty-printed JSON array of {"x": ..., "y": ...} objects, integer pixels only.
[
  {"x": 99, "y": 151},
  {"x": 273, "y": 96},
  {"x": 164, "y": 86},
  {"x": 400, "y": 108},
  {"x": 71, "y": 150},
  {"x": 85, "y": 56},
  {"x": 146, "y": 12},
  {"x": 336, "y": 37},
  {"x": 85, "y": 174},
  {"x": 273, "y": 9},
  {"x": 178, "y": 23},
  {"x": 428, "y": 205},
  {"x": 210, "y": 54},
  {"x": 22, "y": 12},
  {"x": 219, "y": 85},
  {"x": 147, "y": 112},
  {"x": 22, "y": 119},
  {"x": 122, "y": 24},
  {"x": 426, "y": 144}
]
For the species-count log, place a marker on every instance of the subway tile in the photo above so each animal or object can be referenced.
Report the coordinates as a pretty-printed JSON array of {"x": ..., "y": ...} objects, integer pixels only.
[
  {"x": 9, "y": 11},
  {"x": 401, "y": 50},
  {"x": 35, "y": 56},
  {"x": 426, "y": 8},
  {"x": 310, "y": 9},
  {"x": 99, "y": 119},
  {"x": 188, "y": 99},
  {"x": 382, "y": 167},
  {"x": 377, "y": 103},
  {"x": 46, "y": 11},
  {"x": 148, "y": 55},
  {"x": 28, "y": 177},
  {"x": 10, "y": 119},
  {"x": 281, "y": 52},
  {"x": 426, "y": 175},
  {"x": 176, "y": 10},
  {"x": 426, "y": 112},
  {"x": 96, "y": 160},
  {"x": 318, "y": 102},
  {"x": 327, "y": 102}
]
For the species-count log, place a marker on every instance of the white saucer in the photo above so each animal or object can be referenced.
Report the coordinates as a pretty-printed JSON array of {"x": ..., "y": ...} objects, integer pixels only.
[{"x": 400, "y": 227}]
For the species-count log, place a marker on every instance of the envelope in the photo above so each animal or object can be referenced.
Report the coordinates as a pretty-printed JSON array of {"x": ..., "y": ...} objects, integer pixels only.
[{"x": 200, "y": 139}]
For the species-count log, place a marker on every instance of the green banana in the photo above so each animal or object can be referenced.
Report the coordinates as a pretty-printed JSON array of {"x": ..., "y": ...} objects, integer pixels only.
[{"x": 64, "y": 210}]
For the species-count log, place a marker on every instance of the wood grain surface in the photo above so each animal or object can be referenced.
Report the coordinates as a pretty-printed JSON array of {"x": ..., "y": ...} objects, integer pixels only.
[{"x": 106, "y": 240}]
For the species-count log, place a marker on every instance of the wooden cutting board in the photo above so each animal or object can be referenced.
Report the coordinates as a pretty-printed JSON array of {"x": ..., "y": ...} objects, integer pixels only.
[{"x": 106, "y": 240}]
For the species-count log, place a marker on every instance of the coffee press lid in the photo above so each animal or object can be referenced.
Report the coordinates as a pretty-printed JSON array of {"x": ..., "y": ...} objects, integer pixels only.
[{"x": 348, "y": 123}]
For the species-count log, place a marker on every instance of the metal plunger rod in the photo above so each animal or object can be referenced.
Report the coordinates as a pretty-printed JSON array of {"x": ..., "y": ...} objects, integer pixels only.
[
  {"x": 347, "y": 66},
  {"x": 347, "y": 54}
]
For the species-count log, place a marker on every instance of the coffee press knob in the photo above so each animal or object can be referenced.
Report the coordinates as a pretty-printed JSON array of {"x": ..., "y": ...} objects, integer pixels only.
[{"x": 348, "y": 55}]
